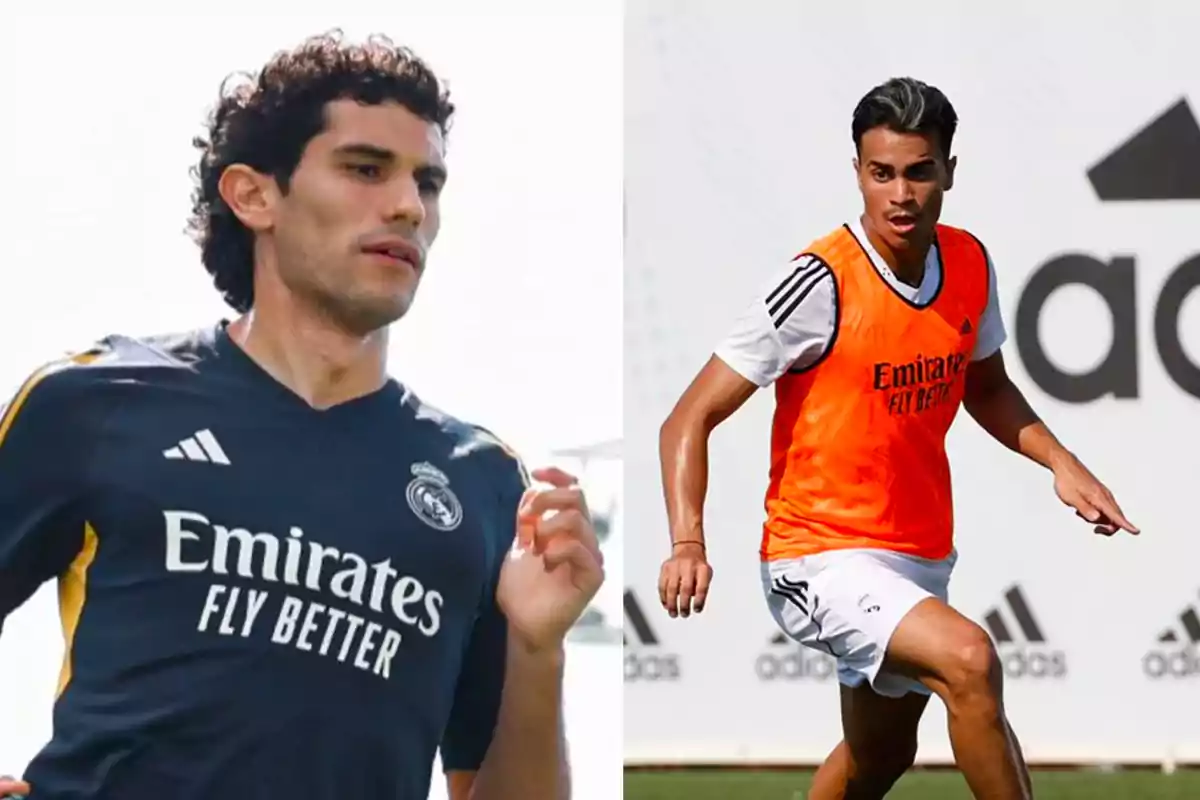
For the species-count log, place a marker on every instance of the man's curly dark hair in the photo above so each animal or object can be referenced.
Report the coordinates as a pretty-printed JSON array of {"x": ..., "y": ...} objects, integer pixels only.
[{"x": 266, "y": 120}]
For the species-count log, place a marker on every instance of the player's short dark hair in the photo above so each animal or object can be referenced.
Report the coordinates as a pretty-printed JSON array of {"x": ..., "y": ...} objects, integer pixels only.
[
  {"x": 266, "y": 120},
  {"x": 906, "y": 105}
]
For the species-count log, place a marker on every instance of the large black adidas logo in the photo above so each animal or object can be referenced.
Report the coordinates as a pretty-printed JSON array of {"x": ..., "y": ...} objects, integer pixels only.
[
  {"x": 645, "y": 657},
  {"x": 1160, "y": 162},
  {"x": 1175, "y": 655},
  {"x": 1024, "y": 651}
]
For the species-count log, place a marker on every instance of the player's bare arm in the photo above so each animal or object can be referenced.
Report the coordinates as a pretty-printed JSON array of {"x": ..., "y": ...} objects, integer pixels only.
[
  {"x": 713, "y": 395},
  {"x": 546, "y": 584},
  {"x": 11, "y": 787},
  {"x": 535, "y": 764},
  {"x": 1000, "y": 408},
  {"x": 459, "y": 784}
]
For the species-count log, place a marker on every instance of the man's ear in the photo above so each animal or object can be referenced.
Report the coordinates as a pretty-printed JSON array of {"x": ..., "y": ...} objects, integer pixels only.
[
  {"x": 950, "y": 166},
  {"x": 250, "y": 195}
]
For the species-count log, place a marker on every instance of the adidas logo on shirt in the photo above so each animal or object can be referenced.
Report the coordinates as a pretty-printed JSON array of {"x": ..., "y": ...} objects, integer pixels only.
[
  {"x": 1176, "y": 653},
  {"x": 1024, "y": 651},
  {"x": 200, "y": 446},
  {"x": 655, "y": 665}
]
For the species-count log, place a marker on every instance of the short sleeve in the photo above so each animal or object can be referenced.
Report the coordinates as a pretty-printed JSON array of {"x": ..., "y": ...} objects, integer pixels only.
[
  {"x": 787, "y": 327},
  {"x": 992, "y": 333},
  {"x": 476, "y": 707},
  {"x": 42, "y": 447}
]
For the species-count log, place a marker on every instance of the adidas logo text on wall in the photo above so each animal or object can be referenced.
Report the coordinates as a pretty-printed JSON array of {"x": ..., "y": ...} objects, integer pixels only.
[
  {"x": 200, "y": 446},
  {"x": 1158, "y": 163},
  {"x": 644, "y": 658},
  {"x": 787, "y": 660},
  {"x": 1023, "y": 649},
  {"x": 1175, "y": 655}
]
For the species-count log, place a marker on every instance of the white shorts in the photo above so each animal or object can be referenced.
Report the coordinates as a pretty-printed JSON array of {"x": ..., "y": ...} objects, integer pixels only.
[{"x": 848, "y": 603}]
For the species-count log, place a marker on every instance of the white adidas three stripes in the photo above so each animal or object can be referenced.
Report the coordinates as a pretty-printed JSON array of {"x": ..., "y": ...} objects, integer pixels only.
[{"x": 200, "y": 446}]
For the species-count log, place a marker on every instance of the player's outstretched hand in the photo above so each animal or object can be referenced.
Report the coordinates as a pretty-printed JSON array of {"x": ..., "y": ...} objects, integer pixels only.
[
  {"x": 11, "y": 787},
  {"x": 555, "y": 567},
  {"x": 683, "y": 580},
  {"x": 1078, "y": 487}
]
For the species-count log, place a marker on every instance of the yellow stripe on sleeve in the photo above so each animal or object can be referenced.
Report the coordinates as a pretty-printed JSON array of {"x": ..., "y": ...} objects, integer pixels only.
[
  {"x": 14, "y": 406},
  {"x": 72, "y": 596}
]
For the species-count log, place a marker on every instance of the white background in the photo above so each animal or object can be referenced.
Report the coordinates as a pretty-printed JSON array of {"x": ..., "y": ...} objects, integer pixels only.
[
  {"x": 738, "y": 155},
  {"x": 523, "y": 285}
]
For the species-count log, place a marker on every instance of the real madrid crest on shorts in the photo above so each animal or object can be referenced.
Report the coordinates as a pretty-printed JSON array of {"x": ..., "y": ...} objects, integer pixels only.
[{"x": 430, "y": 498}]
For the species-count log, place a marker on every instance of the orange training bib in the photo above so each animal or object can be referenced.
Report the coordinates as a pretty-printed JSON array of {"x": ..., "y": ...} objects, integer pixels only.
[{"x": 858, "y": 454}]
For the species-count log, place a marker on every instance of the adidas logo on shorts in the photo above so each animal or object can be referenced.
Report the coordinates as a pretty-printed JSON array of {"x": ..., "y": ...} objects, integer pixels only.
[{"x": 1024, "y": 651}]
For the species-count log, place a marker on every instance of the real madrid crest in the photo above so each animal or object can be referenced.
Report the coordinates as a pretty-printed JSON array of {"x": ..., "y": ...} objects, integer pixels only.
[{"x": 430, "y": 498}]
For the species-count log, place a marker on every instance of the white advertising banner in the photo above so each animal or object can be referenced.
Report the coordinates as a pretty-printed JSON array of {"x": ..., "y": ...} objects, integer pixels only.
[{"x": 1079, "y": 168}]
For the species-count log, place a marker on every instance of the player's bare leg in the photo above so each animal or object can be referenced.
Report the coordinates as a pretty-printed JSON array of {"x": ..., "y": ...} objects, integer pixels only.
[
  {"x": 880, "y": 745},
  {"x": 955, "y": 658},
  {"x": 1027, "y": 780}
]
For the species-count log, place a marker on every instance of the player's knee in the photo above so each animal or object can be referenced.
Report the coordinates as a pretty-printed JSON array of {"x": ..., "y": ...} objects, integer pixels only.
[{"x": 972, "y": 666}]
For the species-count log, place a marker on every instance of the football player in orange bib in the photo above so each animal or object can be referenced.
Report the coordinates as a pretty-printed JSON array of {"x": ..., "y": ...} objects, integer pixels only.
[{"x": 873, "y": 337}]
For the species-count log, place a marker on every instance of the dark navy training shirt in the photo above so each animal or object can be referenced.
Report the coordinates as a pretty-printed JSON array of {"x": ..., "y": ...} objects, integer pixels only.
[{"x": 260, "y": 600}]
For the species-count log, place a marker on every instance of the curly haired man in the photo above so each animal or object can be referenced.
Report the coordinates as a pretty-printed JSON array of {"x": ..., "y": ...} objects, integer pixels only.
[{"x": 281, "y": 573}]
